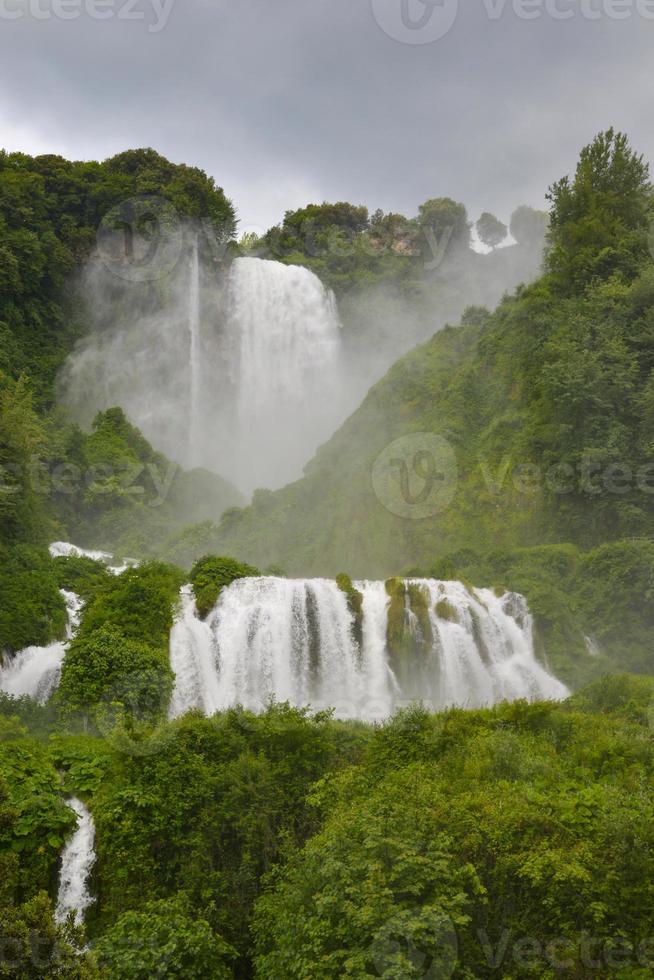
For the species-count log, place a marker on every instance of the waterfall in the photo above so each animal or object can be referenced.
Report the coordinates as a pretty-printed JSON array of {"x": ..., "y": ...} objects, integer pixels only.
[
  {"x": 296, "y": 641},
  {"x": 76, "y": 863},
  {"x": 192, "y": 660},
  {"x": 64, "y": 549},
  {"x": 238, "y": 372},
  {"x": 195, "y": 378},
  {"x": 282, "y": 344},
  {"x": 35, "y": 671}
]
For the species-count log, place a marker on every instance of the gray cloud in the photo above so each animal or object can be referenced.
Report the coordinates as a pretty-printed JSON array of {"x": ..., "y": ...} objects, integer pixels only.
[{"x": 286, "y": 101}]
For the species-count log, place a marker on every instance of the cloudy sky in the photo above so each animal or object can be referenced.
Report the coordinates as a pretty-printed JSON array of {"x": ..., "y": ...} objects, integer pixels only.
[{"x": 381, "y": 102}]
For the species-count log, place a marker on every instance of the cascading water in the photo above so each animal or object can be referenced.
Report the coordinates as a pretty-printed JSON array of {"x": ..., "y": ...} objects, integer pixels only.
[
  {"x": 282, "y": 344},
  {"x": 64, "y": 549},
  {"x": 195, "y": 362},
  {"x": 295, "y": 640},
  {"x": 239, "y": 373},
  {"x": 35, "y": 671},
  {"x": 77, "y": 861}
]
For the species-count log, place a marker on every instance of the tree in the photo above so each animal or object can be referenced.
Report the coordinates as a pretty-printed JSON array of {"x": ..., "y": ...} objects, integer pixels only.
[
  {"x": 490, "y": 229},
  {"x": 599, "y": 221},
  {"x": 444, "y": 225},
  {"x": 164, "y": 940},
  {"x": 529, "y": 227}
]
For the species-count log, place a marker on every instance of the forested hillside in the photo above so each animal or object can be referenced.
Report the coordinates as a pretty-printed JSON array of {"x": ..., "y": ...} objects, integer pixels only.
[
  {"x": 544, "y": 407},
  {"x": 107, "y": 487},
  {"x": 207, "y": 839}
]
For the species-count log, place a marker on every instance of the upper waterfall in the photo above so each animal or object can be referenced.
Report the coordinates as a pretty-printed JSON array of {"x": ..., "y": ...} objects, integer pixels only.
[
  {"x": 298, "y": 641},
  {"x": 282, "y": 344},
  {"x": 238, "y": 372}
]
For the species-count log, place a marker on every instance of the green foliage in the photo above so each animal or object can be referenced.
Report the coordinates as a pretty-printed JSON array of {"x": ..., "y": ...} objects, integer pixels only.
[
  {"x": 547, "y": 404},
  {"x": 108, "y": 672},
  {"x": 164, "y": 939},
  {"x": 378, "y": 892},
  {"x": 32, "y": 611},
  {"x": 139, "y": 602},
  {"x": 490, "y": 229},
  {"x": 206, "y": 810},
  {"x": 50, "y": 210},
  {"x": 117, "y": 667},
  {"x": 32, "y": 944},
  {"x": 40, "y": 820},
  {"x": 599, "y": 221},
  {"x": 121, "y": 494},
  {"x": 211, "y": 574},
  {"x": 354, "y": 602},
  {"x": 77, "y": 573},
  {"x": 528, "y": 226},
  {"x": 470, "y": 841}
]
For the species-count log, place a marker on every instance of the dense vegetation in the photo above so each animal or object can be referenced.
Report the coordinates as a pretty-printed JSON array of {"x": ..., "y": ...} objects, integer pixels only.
[
  {"x": 107, "y": 488},
  {"x": 515, "y": 841},
  {"x": 545, "y": 404}
]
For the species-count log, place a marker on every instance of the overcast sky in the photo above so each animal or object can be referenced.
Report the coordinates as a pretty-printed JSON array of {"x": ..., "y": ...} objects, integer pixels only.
[{"x": 290, "y": 101}]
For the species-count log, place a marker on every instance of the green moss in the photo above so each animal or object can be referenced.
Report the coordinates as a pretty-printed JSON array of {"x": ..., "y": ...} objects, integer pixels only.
[
  {"x": 419, "y": 604},
  {"x": 211, "y": 574},
  {"x": 354, "y": 602},
  {"x": 445, "y": 610}
]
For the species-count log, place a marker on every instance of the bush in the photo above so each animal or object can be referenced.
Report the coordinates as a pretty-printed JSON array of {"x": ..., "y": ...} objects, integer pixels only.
[{"x": 211, "y": 574}]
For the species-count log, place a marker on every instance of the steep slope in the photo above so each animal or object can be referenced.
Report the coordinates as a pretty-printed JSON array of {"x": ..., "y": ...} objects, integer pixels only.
[{"x": 546, "y": 409}]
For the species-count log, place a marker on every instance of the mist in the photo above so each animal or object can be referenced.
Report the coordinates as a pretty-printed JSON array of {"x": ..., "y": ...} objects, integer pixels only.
[{"x": 246, "y": 366}]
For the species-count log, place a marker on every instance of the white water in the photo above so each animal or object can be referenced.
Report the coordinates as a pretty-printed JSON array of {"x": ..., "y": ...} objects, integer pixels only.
[
  {"x": 77, "y": 860},
  {"x": 238, "y": 374},
  {"x": 195, "y": 364},
  {"x": 282, "y": 344},
  {"x": 293, "y": 640},
  {"x": 35, "y": 671},
  {"x": 64, "y": 549},
  {"x": 486, "y": 656}
]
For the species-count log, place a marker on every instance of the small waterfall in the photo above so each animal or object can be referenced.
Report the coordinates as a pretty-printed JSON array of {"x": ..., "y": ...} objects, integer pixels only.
[
  {"x": 64, "y": 549},
  {"x": 195, "y": 368},
  {"x": 192, "y": 659},
  {"x": 295, "y": 640},
  {"x": 35, "y": 671},
  {"x": 77, "y": 860}
]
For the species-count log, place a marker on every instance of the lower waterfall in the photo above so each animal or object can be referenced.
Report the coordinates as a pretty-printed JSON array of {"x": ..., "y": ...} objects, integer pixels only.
[
  {"x": 299, "y": 641},
  {"x": 77, "y": 861},
  {"x": 35, "y": 671}
]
